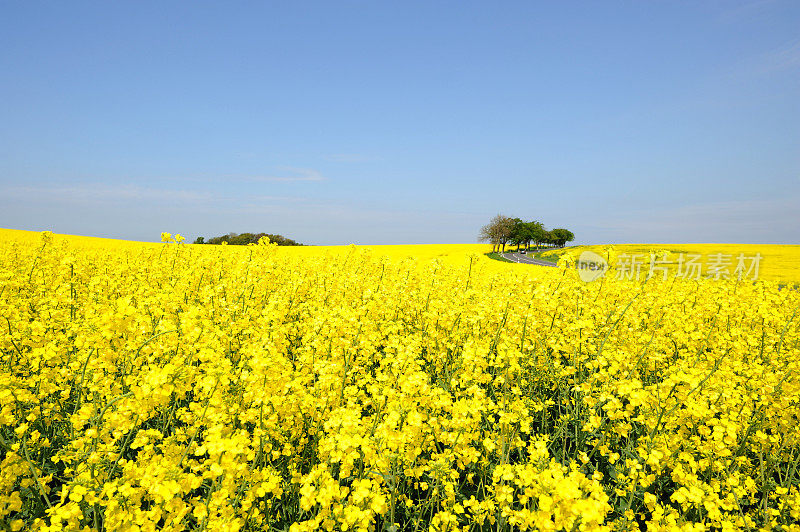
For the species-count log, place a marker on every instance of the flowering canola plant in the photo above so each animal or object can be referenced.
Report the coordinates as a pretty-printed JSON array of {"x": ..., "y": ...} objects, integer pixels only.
[{"x": 179, "y": 387}]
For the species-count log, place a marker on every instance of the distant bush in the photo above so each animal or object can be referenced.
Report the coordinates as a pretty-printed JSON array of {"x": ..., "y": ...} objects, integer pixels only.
[{"x": 234, "y": 239}]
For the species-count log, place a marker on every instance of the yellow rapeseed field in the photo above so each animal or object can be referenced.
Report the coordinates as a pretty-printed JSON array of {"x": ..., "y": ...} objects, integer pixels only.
[
  {"x": 180, "y": 387},
  {"x": 776, "y": 262}
]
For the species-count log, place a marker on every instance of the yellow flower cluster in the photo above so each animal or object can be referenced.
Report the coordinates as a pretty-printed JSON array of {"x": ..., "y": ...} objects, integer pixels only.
[{"x": 181, "y": 387}]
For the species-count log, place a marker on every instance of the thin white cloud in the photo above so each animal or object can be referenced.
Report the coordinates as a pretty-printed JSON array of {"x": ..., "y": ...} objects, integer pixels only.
[
  {"x": 772, "y": 220},
  {"x": 101, "y": 192},
  {"x": 746, "y": 11},
  {"x": 784, "y": 57},
  {"x": 289, "y": 175},
  {"x": 350, "y": 158},
  {"x": 780, "y": 59}
]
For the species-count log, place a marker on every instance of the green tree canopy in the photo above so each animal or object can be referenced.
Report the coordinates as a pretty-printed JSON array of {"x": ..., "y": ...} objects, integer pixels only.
[
  {"x": 502, "y": 230},
  {"x": 236, "y": 239}
]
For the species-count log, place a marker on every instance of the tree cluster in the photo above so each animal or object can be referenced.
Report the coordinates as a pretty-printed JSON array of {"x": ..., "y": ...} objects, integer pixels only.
[
  {"x": 503, "y": 230},
  {"x": 235, "y": 239}
]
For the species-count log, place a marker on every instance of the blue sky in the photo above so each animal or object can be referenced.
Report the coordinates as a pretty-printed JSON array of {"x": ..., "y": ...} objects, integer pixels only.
[{"x": 402, "y": 122}]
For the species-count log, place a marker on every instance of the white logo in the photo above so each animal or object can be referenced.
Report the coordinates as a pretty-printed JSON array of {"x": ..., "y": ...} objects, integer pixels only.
[{"x": 591, "y": 266}]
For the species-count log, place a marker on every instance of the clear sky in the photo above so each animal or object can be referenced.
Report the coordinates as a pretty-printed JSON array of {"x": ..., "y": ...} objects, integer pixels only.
[{"x": 402, "y": 122}]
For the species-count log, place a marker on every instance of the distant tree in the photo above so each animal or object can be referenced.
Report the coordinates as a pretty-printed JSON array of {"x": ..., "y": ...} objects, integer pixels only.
[
  {"x": 548, "y": 238},
  {"x": 569, "y": 236},
  {"x": 561, "y": 236},
  {"x": 498, "y": 232},
  {"x": 502, "y": 230},
  {"x": 235, "y": 239},
  {"x": 199, "y": 240},
  {"x": 519, "y": 233},
  {"x": 278, "y": 239},
  {"x": 535, "y": 232},
  {"x": 487, "y": 235}
]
